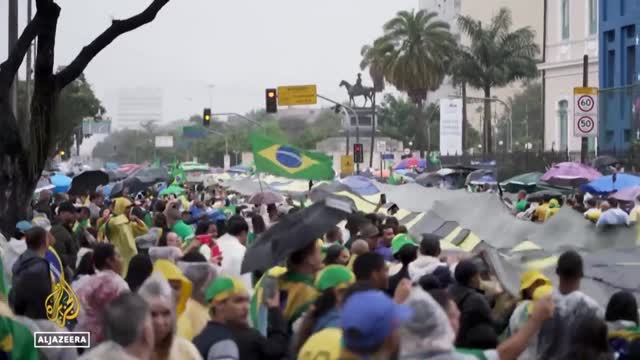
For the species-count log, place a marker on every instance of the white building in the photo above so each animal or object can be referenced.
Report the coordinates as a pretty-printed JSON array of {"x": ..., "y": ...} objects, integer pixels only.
[
  {"x": 571, "y": 32},
  {"x": 138, "y": 105},
  {"x": 448, "y": 11}
]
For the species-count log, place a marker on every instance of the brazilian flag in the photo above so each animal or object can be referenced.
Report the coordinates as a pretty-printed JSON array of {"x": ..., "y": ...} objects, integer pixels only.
[{"x": 288, "y": 161}]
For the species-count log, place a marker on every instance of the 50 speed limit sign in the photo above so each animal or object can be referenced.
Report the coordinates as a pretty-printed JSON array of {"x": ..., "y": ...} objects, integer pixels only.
[{"x": 585, "y": 112}]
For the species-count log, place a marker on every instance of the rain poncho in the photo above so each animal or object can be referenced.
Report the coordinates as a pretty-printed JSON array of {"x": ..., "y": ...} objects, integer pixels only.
[
  {"x": 428, "y": 334},
  {"x": 157, "y": 286},
  {"x": 122, "y": 232},
  {"x": 172, "y": 273}
]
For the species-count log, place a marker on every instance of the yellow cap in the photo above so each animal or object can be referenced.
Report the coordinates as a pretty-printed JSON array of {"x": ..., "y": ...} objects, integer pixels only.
[{"x": 529, "y": 277}]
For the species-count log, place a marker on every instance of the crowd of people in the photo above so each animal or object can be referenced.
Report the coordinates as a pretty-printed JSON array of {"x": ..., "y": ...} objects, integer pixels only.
[
  {"x": 161, "y": 278},
  {"x": 606, "y": 211}
]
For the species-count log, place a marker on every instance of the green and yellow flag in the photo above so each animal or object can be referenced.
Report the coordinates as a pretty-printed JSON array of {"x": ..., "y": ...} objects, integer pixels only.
[{"x": 289, "y": 161}]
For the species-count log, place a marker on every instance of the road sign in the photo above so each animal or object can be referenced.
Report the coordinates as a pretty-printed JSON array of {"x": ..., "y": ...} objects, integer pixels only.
[
  {"x": 346, "y": 164},
  {"x": 91, "y": 126},
  {"x": 297, "y": 95},
  {"x": 382, "y": 146},
  {"x": 585, "y": 114},
  {"x": 193, "y": 132},
  {"x": 388, "y": 156},
  {"x": 164, "y": 141}
]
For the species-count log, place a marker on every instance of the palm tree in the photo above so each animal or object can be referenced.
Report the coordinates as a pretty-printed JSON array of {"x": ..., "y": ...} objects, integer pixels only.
[
  {"x": 412, "y": 55},
  {"x": 496, "y": 57}
]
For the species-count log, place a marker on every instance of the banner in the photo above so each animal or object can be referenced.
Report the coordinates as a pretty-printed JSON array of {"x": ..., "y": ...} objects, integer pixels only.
[{"x": 450, "y": 126}]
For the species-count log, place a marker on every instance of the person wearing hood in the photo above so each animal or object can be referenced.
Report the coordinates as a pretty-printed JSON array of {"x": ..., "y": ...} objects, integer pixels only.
[
  {"x": 62, "y": 230},
  {"x": 97, "y": 291},
  {"x": 31, "y": 284},
  {"x": 428, "y": 258},
  {"x": 331, "y": 282},
  {"x": 161, "y": 297},
  {"x": 201, "y": 273},
  {"x": 182, "y": 287},
  {"x": 14, "y": 248},
  {"x": 472, "y": 303},
  {"x": 431, "y": 332},
  {"x": 128, "y": 331},
  {"x": 554, "y": 207},
  {"x": 122, "y": 229}
]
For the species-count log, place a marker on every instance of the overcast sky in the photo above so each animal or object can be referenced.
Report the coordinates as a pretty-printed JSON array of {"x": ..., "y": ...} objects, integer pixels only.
[{"x": 240, "y": 46}]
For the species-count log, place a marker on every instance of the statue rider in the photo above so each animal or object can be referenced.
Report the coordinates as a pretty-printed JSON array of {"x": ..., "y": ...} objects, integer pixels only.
[{"x": 358, "y": 84}]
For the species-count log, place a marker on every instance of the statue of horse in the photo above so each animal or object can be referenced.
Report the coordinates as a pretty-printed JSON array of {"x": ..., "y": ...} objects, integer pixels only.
[{"x": 355, "y": 91}]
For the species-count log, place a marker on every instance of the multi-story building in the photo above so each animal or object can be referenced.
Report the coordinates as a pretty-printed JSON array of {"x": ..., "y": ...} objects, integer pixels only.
[
  {"x": 571, "y": 31},
  {"x": 138, "y": 105},
  {"x": 619, "y": 74},
  {"x": 448, "y": 11}
]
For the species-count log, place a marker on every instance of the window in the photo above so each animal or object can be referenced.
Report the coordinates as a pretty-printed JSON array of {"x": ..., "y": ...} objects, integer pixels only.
[
  {"x": 593, "y": 17},
  {"x": 564, "y": 13},
  {"x": 563, "y": 121}
]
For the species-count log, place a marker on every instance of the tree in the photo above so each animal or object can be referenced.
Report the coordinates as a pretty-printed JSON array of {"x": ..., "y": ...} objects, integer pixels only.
[
  {"x": 412, "y": 55},
  {"x": 26, "y": 146},
  {"x": 526, "y": 114},
  {"x": 496, "y": 57}
]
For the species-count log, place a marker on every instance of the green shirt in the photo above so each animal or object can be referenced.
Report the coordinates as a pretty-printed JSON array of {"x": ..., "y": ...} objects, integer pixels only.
[{"x": 184, "y": 231}]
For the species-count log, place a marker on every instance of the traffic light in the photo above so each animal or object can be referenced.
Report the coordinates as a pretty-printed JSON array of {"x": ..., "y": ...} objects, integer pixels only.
[
  {"x": 272, "y": 101},
  {"x": 206, "y": 117},
  {"x": 358, "y": 154}
]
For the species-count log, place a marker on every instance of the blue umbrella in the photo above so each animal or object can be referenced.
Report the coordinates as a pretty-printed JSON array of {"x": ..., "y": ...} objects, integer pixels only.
[
  {"x": 361, "y": 185},
  {"x": 241, "y": 169},
  {"x": 61, "y": 182},
  {"x": 611, "y": 183}
]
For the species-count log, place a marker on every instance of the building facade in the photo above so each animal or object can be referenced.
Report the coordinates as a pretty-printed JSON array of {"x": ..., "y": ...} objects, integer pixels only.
[
  {"x": 571, "y": 29},
  {"x": 448, "y": 11},
  {"x": 619, "y": 74},
  {"x": 138, "y": 105}
]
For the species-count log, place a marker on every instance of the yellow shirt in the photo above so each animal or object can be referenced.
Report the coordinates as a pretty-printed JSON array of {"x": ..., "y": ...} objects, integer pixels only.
[
  {"x": 193, "y": 319},
  {"x": 325, "y": 344},
  {"x": 541, "y": 212}
]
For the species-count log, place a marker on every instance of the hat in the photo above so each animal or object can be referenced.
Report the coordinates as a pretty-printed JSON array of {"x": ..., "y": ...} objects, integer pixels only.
[
  {"x": 368, "y": 231},
  {"x": 224, "y": 287},
  {"x": 399, "y": 241},
  {"x": 530, "y": 277},
  {"x": 23, "y": 226},
  {"x": 334, "y": 276},
  {"x": 539, "y": 293},
  {"x": 42, "y": 221},
  {"x": 368, "y": 318},
  {"x": 66, "y": 206}
]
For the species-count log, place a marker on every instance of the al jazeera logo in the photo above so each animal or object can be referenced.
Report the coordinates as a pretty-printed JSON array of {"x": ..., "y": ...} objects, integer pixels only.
[{"x": 62, "y": 306}]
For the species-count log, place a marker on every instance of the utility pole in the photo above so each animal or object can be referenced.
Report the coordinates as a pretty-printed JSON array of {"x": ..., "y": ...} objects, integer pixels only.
[
  {"x": 28, "y": 75},
  {"x": 13, "y": 39},
  {"x": 584, "y": 143}
]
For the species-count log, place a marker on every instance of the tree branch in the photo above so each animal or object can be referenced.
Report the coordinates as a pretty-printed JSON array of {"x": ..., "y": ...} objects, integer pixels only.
[
  {"x": 9, "y": 68},
  {"x": 117, "y": 28}
]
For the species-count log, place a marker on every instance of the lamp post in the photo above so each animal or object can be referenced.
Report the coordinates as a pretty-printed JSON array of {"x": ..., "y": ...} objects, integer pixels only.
[{"x": 506, "y": 106}]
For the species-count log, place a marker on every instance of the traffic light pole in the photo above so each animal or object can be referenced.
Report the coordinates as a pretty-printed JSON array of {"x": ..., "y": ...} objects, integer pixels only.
[
  {"x": 226, "y": 143},
  {"x": 349, "y": 125}
]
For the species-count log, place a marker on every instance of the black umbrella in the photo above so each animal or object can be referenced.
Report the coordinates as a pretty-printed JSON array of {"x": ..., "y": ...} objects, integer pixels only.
[
  {"x": 134, "y": 186},
  {"x": 115, "y": 175},
  {"x": 544, "y": 195},
  {"x": 429, "y": 180},
  {"x": 604, "y": 161},
  {"x": 87, "y": 182},
  {"x": 152, "y": 175},
  {"x": 295, "y": 231}
]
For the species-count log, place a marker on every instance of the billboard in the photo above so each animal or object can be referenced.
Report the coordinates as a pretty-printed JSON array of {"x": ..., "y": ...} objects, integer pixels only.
[
  {"x": 450, "y": 126},
  {"x": 164, "y": 141}
]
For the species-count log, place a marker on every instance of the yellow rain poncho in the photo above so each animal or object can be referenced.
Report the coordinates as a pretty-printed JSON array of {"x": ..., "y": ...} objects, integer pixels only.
[
  {"x": 173, "y": 274},
  {"x": 122, "y": 233}
]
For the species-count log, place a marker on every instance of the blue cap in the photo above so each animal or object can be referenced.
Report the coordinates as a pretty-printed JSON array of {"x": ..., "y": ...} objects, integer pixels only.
[
  {"x": 23, "y": 226},
  {"x": 368, "y": 318}
]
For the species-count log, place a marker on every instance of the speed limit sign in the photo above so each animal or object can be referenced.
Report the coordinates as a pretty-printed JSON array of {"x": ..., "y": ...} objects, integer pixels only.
[{"x": 585, "y": 114}]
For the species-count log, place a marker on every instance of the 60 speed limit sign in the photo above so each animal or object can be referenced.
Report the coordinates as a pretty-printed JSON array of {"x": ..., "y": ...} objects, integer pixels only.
[{"x": 585, "y": 114}]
